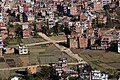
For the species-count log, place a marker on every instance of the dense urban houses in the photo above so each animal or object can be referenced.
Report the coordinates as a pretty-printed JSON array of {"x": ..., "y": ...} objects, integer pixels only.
[{"x": 80, "y": 38}]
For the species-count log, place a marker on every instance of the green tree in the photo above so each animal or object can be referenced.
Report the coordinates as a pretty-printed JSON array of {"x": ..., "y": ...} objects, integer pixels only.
[
  {"x": 47, "y": 73},
  {"x": 56, "y": 28},
  {"x": 18, "y": 31},
  {"x": 11, "y": 19},
  {"x": 29, "y": 77},
  {"x": 45, "y": 30}
]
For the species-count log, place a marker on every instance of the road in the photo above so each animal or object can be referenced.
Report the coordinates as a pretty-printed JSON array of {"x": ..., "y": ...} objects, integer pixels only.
[
  {"x": 63, "y": 49},
  {"x": 46, "y": 42},
  {"x": 24, "y": 67}
]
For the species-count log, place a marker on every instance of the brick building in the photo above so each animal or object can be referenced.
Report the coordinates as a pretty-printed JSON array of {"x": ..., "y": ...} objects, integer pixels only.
[
  {"x": 97, "y": 6},
  {"x": 102, "y": 19},
  {"x": 77, "y": 41}
]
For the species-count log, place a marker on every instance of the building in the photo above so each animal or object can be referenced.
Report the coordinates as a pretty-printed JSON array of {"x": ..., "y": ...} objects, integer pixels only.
[
  {"x": 102, "y": 19},
  {"x": 73, "y": 10},
  {"x": 16, "y": 78},
  {"x": 26, "y": 31},
  {"x": 51, "y": 23},
  {"x": 12, "y": 32},
  {"x": 1, "y": 17},
  {"x": 79, "y": 40},
  {"x": 97, "y": 6},
  {"x": 1, "y": 53},
  {"x": 105, "y": 2},
  {"x": 1, "y": 42},
  {"x": 31, "y": 17},
  {"x": 32, "y": 69},
  {"x": 9, "y": 50},
  {"x": 4, "y": 31},
  {"x": 97, "y": 75},
  {"x": 23, "y": 49},
  {"x": 61, "y": 66},
  {"x": 118, "y": 46}
]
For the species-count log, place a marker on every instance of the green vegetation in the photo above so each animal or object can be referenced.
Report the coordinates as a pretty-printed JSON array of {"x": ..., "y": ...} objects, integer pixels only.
[
  {"x": 113, "y": 17},
  {"x": 12, "y": 41},
  {"x": 73, "y": 78},
  {"x": 18, "y": 31},
  {"x": 41, "y": 45},
  {"x": 11, "y": 19},
  {"x": 46, "y": 73},
  {"x": 56, "y": 29},
  {"x": 96, "y": 62}
]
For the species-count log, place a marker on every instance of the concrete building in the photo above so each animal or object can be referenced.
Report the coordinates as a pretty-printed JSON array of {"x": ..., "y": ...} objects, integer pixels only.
[
  {"x": 1, "y": 17},
  {"x": 32, "y": 69},
  {"x": 31, "y": 18},
  {"x": 61, "y": 66},
  {"x": 73, "y": 9},
  {"x": 97, "y": 6},
  {"x": 51, "y": 23},
  {"x": 23, "y": 49},
  {"x": 1, "y": 53},
  {"x": 16, "y": 78},
  {"x": 102, "y": 19},
  {"x": 97, "y": 75},
  {"x": 105, "y": 2},
  {"x": 118, "y": 46}
]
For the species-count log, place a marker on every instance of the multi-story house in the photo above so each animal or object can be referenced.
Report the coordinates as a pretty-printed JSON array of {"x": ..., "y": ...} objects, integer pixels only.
[
  {"x": 26, "y": 31},
  {"x": 97, "y": 75},
  {"x": 73, "y": 10},
  {"x": 102, "y": 19},
  {"x": 61, "y": 66},
  {"x": 97, "y": 6},
  {"x": 105, "y": 2},
  {"x": 4, "y": 32},
  {"x": 1, "y": 42},
  {"x": 23, "y": 49}
]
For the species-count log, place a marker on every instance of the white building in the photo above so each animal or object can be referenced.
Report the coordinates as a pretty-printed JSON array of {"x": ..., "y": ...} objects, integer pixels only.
[
  {"x": 105, "y": 2},
  {"x": 23, "y": 49},
  {"x": 21, "y": 9},
  {"x": 1, "y": 17},
  {"x": 31, "y": 17},
  {"x": 51, "y": 15},
  {"x": 51, "y": 23},
  {"x": 16, "y": 78},
  {"x": 1, "y": 42},
  {"x": 97, "y": 75},
  {"x": 25, "y": 26},
  {"x": 118, "y": 46}
]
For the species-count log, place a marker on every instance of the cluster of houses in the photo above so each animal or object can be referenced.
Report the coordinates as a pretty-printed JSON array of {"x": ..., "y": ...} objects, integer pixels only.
[
  {"x": 65, "y": 71},
  {"x": 93, "y": 38}
]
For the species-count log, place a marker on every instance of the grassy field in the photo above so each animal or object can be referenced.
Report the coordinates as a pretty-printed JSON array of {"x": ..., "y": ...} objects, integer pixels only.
[
  {"x": 100, "y": 59},
  {"x": 57, "y": 38}
]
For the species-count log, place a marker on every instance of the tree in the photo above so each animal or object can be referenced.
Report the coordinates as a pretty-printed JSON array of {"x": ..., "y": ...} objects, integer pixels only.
[
  {"x": 45, "y": 30},
  {"x": 47, "y": 73},
  {"x": 18, "y": 31},
  {"x": 106, "y": 7},
  {"x": 66, "y": 31},
  {"x": 29, "y": 77},
  {"x": 56, "y": 28},
  {"x": 11, "y": 19}
]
